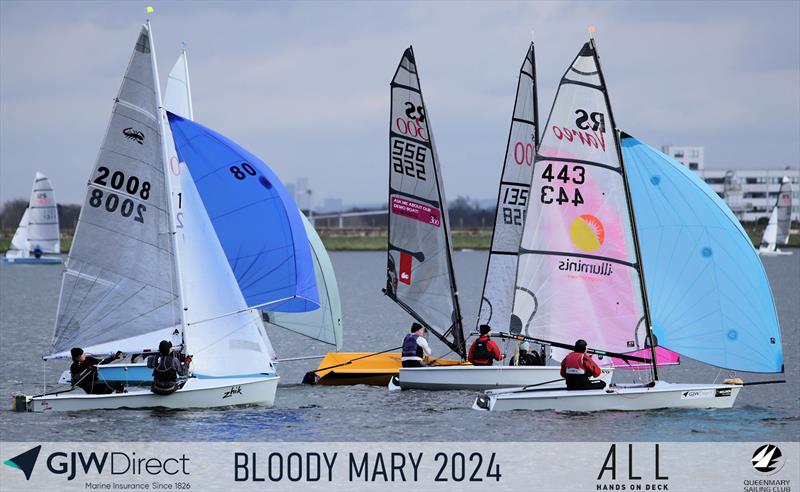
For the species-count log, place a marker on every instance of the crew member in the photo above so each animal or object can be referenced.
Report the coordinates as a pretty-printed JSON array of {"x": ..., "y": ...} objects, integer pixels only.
[
  {"x": 577, "y": 368},
  {"x": 84, "y": 373},
  {"x": 415, "y": 347},
  {"x": 483, "y": 351},
  {"x": 526, "y": 357},
  {"x": 166, "y": 369}
]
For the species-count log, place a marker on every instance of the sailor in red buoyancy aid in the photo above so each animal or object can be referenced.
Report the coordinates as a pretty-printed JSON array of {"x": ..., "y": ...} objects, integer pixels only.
[
  {"x": 577, "y": 368},
  {"x": 415, "y": 347},
  {"x": 484, "y": 351}
]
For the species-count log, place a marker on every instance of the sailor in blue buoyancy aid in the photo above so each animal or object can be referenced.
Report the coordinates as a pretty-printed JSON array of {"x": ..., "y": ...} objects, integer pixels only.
[{"x": 415, "y": 347}]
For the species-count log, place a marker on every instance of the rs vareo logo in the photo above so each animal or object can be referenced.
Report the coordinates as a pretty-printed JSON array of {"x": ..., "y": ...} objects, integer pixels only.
[{"x": 768, "y": 459}]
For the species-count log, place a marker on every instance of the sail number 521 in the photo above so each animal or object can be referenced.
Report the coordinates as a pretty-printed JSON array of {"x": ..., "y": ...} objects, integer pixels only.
[{"x": 557, "y": 194}]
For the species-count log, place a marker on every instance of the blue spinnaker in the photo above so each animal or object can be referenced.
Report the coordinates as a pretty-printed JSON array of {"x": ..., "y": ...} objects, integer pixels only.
[
  {"x": 708, "y": 292},
  {"x": 255, "y": 218}
]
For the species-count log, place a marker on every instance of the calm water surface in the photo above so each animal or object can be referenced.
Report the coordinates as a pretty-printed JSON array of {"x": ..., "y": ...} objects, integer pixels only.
[{"x": 29, "y": 294}]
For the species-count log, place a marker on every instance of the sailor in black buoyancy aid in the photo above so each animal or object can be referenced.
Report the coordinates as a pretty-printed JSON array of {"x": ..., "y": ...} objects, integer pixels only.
[
  {"x": 166, "y": 368},
  {"x": 483, "y": 351},
  {"x": 415, "y": 347},
  {"x": 84, "y": 373},
  {"x": 527, "y": 357}
]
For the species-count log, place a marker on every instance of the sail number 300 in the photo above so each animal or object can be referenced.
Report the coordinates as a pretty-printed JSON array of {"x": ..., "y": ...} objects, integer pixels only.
[
  {"x": 557, "y": 194},
  {"x": 131, "y": 185}
]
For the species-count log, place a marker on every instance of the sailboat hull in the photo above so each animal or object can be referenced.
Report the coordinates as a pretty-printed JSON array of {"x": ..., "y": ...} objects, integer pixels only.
[
  {"x": 196, "y": 393},
  {"x": 772, "y": 252},
  {"x": 44, "y": 260},
  {"x": 468, "y": 377},
  {"x": 625, "y": 398}
]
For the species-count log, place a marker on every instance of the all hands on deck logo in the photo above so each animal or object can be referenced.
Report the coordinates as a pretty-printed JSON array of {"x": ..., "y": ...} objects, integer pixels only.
[
  {"x": 768, "y": 459},
  {"x": 25, "y": 461}
]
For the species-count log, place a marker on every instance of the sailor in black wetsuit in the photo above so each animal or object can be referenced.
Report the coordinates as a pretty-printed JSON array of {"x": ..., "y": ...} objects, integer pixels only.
[{"x": 84, "y": 373}]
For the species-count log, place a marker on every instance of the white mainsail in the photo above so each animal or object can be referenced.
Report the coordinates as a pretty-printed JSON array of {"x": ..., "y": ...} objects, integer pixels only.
[
  {"x": 178, "y": 93},
  {"x": 514, "y": 192},
  {"x": 780, "y": 219},
  {"x": 578, "y": 274},
  {"x": 120, "y": 280},
  {"x": 43, "y": 218},
  {"x": 420, "y": 269}
]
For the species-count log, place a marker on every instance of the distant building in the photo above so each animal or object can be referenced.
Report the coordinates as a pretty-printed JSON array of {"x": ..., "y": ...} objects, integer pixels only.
[
  {"x": 751, "y": 193},
  {"x": 691, "y": 156}
]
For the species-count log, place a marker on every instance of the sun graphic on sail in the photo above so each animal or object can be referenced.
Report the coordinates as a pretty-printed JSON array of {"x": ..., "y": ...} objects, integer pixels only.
[{"x": 587, "y": 233}]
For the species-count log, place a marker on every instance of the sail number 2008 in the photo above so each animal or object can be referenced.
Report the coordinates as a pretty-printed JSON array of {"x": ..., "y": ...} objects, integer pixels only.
[
  {"x": 550, "y": 194},
  {"x": 130, "y": 186}
]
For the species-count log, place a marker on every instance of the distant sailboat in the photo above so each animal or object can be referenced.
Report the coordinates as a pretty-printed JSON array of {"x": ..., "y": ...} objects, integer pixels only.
[
  {"x": 587, "y": 260},
  {"x": 37, "y": 239},
  {"x": 128, "y": 284},
  {"x": 780, "y": 220}
]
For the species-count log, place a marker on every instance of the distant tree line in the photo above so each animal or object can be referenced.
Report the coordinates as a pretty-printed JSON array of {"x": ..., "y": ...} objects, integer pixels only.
[{"x": 12, "y": 211}]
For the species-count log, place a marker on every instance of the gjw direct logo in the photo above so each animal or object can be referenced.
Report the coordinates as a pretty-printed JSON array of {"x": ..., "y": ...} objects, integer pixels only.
[
  {"x": 74, "y": 464},
  {"x": 25, "y": 461},
  {"x": 768, "y": 459}
]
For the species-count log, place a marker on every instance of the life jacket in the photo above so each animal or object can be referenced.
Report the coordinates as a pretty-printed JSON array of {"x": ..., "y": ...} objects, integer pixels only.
[
  {"x": 573, "y": 364},
  {"x": 164, "y": 372},
  {"x": 481, "y": 353},
  {"x": 410, "y": 346},
  {"x": 530, "y": 359}
]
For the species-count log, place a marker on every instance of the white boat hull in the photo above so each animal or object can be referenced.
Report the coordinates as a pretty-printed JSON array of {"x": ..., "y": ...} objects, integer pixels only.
[
  {"x": 662, "y": 395},
  {"x": 196, "y": 393},
  {"x": 773, "y": 252},
  {"x": 465, "y": 377}
]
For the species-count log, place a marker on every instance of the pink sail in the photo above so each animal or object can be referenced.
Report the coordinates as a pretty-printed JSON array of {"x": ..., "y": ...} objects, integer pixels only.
[
  {"x": 664, "y": 357},
  {"x": 578, "y": 275}
]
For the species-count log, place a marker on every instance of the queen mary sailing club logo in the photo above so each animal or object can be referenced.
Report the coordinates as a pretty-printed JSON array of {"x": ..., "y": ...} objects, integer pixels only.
[{"x": 768, "y": 459}]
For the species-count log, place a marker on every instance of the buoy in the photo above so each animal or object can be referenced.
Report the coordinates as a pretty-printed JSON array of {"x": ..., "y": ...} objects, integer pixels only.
[
  {"x": 19, "y": 403},
  {"x": 733, "y": 381}
]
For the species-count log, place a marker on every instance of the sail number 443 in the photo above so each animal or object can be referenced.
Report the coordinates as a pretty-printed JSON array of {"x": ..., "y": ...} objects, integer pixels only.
[
  {"x": 558, "y": 194},
  {"x": 458, "y": 467}
]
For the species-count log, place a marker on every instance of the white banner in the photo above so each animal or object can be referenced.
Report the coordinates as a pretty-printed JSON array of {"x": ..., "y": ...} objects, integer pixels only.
[{"x": 331, "y": 466}]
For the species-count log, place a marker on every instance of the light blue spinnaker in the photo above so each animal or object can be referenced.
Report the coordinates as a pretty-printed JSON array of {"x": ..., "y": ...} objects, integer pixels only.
[
  {"x": 324, "y": 324},
  {"x": 255, "y": 218},
  {"x": 708, "y": 292}
]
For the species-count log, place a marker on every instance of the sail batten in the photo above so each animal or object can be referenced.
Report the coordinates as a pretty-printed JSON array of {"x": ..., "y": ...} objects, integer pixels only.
[
  {"x": 420, "y": 275},
  {"x": 512, "y": 201}
]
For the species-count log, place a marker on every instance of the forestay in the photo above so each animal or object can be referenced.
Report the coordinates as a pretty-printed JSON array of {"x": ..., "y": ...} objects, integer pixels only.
[
  {"x": 578, "y": 273},
  {"x": 420, "y": 270},
  {"x": 512, "y": 201},
  {"x": 43, "y": 217},
  {"x": 255, "y": 218},
  {"x": 325, "y": 323},
  {"x": 709, "y": 295},
  {"x": 119, "y": 281}
]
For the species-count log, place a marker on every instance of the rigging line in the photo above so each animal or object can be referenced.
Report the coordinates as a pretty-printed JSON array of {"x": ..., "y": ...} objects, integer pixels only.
[
  {"x": 128, "y": 236},
  {"x": 250, "y": 308}
]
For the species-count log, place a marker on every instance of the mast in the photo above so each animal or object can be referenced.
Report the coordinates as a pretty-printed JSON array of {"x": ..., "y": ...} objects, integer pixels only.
[
  {"x": 167, "y": 182},
  {"x": 635, "y": 233}
]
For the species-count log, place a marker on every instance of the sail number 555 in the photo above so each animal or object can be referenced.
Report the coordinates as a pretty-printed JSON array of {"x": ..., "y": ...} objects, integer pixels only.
[
  {"x": 557, "y": 194},
  {"x": 408, "y": 158}
]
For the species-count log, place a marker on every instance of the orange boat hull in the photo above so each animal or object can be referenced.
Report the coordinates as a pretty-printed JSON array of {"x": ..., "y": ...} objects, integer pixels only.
[{"x": 376, "y": 370}]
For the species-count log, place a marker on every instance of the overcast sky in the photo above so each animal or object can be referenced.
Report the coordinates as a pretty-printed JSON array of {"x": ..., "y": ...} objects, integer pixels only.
[{"x": 305, "y": 85}]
